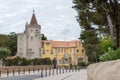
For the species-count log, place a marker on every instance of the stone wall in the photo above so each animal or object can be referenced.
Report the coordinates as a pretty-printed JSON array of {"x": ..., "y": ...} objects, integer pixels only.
[
  {"x": 109, "y": 70},
  {"x": 4, "y": 69},
  {"x": 1, "y": 63}
]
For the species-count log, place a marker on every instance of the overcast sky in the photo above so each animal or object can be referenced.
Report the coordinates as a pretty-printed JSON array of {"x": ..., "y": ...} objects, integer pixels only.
[{"x": 56, "y": 17}]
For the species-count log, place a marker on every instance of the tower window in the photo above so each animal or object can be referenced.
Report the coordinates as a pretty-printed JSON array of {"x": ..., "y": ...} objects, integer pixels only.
[
  {"x": 37, "y": 31},
  {"x": 31, "y": 30},
  {"x": 20, "y": 38},
  {"x": 30, "y": 49},
  {"x": 20, "y": 49},
  {"x": 35, "y": 35},
  {"x": 31, "y": 38}
]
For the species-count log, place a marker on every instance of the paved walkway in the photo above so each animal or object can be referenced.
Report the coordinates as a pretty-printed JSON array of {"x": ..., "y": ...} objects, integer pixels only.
[
  {"x": 68, "y": 76},
  {"x": 81, "y": 75}
]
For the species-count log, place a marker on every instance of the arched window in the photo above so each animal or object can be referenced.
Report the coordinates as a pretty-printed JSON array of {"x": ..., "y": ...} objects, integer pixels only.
[
  {"x": 77, "y": 50},
  {"x": 82, "y": 50}
]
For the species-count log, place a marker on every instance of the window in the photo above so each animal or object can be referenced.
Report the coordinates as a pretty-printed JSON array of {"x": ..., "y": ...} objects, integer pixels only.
[
  {"x": 20, "y": 38},
  {"x": 77, "y": 50},
  {"x": 47, "y": 43},
  {"x": 64, "y": 50},
  {"x": 35, "y": 35},
  {"x": 26, "y": 37},
  {"x": 60, "y": 61},
  {"x": 31, "y": 38},
  {"x": 43, "y": 51},
  {"x": 31, "y": 30},
  {"x": 39, "y": 54},
  {"x": 82, "y": 50},
  {"x": 51, "y": 51},
  {"x": 37, "y": 31},
  {"x": 20, "y": 49},
  {"x": 58, "y": 50},
  {"x": 70, "y": 50},
  {"x": 30, "y": 49},
  {"x": 80, "y": 59}
]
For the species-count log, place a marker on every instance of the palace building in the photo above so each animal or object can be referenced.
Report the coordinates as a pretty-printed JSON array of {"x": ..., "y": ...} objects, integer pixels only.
[
  {"x": 65, "y": 52},
  {"x": 30, "y": 46}
]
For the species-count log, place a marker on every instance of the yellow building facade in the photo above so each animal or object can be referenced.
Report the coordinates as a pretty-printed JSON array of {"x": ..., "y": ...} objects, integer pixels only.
[{"x": 65, "y": 52}]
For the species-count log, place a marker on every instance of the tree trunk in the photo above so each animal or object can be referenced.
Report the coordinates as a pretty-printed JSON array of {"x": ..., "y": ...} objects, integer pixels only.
[
  {"x": 111, "y": 29},
  {"x": 117, "y": 36}
]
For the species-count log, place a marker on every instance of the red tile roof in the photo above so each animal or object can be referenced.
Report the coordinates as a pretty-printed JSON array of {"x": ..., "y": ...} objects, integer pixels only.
[{"x": 66, "y": 44}]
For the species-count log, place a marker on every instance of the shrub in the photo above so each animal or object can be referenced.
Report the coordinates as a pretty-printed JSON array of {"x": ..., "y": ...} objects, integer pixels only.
[
  {"x": 8, "y": 62},
  {"x": 35, "y": 61},
  {"x": 110, "y": 55},
  {"x": 46, "y": 61},
  {"x": 24, "y": 62},
  {"x": 82, "y": 64},
  {"x": 11, "y": 62},
  {"x": 40, "y": 61},
  {"x": 16, "y": 61},
  {"x": 70, "y": 65}
]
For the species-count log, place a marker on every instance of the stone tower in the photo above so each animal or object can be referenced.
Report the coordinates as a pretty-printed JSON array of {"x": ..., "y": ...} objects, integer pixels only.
[{"x": 29, "y": 42}]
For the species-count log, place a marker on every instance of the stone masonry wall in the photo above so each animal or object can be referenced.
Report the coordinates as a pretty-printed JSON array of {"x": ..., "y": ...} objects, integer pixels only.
[{"x": 109, "y": 70}]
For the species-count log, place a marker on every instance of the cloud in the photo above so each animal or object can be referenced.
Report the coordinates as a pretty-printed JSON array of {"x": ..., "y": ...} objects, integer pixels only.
[
  {"x": 66, "y": 31},
  {"x": 54, "y": 16}
]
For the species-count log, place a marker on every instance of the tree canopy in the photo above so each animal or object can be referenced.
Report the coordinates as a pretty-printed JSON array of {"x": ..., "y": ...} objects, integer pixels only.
[
  {"x": 4, "y": 52},
  {"x": 92, "y": 17}
]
